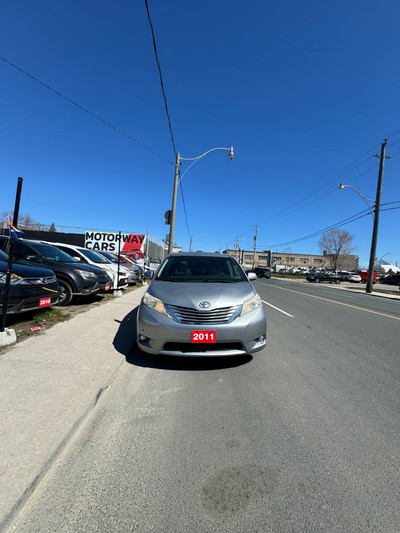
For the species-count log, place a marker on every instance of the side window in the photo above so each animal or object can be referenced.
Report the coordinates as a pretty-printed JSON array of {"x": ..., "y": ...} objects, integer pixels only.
[
  {"x": 71, "y": 252},
  {"x": 21, "y": 251}
]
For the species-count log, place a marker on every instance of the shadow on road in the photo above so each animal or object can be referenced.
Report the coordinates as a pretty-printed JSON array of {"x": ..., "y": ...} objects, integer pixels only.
[{"x": 125, "y": 343}]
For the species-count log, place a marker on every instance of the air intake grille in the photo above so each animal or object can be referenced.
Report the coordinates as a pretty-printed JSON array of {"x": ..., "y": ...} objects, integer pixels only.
[{"x": 188, "y": 315}]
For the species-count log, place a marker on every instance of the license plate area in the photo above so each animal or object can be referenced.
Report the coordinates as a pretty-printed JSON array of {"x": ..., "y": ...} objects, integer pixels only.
[
  {"x": 199, "y": 336},
  {"x": 43, "y": 302}
]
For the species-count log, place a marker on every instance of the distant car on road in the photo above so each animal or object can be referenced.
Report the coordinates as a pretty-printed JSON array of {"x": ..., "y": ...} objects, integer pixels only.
[
  {"x": 392, "y": 279},
  {"x": 262, "y": 272},
  {"x": 330, "y": 277},
  {"x": 364, "y": 276},
  {"x": 353, "y": 277}
]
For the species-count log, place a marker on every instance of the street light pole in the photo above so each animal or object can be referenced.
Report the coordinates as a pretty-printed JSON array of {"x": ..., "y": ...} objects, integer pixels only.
[
  {"x": 374, "y": 241},
  {"x": 173, "y": 210},
  {"x": 191, "y": 239},
  {"x": 176, "y": 182}
]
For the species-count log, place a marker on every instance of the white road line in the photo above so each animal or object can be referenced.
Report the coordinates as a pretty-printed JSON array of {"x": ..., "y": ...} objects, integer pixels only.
[{"x": 277, "y": 308}]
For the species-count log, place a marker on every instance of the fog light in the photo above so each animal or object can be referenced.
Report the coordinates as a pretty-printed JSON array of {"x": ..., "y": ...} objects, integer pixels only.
[{"x": 143, "y": 338}]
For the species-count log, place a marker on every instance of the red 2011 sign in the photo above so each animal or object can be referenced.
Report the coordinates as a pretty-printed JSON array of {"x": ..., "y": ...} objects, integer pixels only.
[{"x": 203, "y": 336}]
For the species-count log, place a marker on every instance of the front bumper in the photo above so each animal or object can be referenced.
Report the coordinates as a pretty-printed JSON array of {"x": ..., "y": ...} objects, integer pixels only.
[
  {"x": 19, "y": 301},
  {"x": 245, "y": 335}
]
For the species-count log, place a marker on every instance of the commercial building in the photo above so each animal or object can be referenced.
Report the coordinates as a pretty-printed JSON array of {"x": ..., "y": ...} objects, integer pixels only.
[{"x": 287, "y": 260}]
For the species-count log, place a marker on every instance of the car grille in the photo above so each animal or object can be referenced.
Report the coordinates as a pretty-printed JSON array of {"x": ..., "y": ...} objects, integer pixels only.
[
  {"x": 186, "y": 347},
  {"x": 34, "y": 288},
  {"x": 188, "y": 315}
]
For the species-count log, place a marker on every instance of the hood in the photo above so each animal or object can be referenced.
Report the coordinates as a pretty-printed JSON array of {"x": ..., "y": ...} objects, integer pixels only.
[
  {"x": 190, "y": 294},
  {"x": 26, "y": 271}
]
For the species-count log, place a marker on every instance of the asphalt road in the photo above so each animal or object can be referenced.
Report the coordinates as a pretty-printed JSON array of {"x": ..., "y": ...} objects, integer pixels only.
[{"x": 303, "y": 437}]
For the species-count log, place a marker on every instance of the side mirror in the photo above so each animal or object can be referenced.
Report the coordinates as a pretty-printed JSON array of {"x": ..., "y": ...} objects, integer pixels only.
[
  {"x": 252, "y": 276},
  {"x": 35, "y": 258}
]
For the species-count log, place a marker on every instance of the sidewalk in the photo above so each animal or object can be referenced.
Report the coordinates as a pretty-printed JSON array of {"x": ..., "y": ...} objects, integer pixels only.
[{"x": 48, "y": 386}]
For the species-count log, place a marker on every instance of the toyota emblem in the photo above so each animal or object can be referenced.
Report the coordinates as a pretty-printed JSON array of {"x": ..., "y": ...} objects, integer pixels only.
[{"x": 204, "y": 305}]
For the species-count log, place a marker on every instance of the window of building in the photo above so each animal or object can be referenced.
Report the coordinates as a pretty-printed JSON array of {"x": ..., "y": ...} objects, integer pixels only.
[
  {"x": 303, "y": 259},
  {"x": 248, "y": 257},
  {"x": 263, "y": 257},
  {"x": 292, "y": 259},
  {"x": 277, "y": 258},
  {"x": 318, "y": 261}
]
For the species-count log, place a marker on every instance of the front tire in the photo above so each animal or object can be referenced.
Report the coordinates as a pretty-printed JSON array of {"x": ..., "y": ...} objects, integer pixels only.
[{"x": 65, "y": 293}]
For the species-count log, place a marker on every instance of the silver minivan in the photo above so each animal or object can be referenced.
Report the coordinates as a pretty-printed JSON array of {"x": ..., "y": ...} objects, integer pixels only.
[{"x": 201, "y": 304}]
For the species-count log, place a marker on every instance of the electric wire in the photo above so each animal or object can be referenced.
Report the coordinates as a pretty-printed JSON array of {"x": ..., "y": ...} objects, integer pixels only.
[
  {"x": 349, "y": 168},
  {"x": 348, "y": 220},
  {"x": 160, "y": 74},
  {"x": 165, "y": 104},
  {"x": 82, "y": 108}
]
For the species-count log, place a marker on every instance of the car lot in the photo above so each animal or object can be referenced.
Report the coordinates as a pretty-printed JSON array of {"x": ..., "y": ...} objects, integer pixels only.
[{"x": 76, "y": 280}]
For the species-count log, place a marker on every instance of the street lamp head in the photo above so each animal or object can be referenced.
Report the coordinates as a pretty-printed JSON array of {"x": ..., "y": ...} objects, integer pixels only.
[
  {"x": 341, "y": 187},
  {"x": 231, "y": 155}
]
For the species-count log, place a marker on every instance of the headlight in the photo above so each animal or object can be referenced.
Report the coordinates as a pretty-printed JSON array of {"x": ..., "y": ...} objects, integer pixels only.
[
  {"x": 154, "y": 303},
  {"x": 13, "y": 280},
  {"x": 251, "y": 304},
  {"x": 86, "y": 274}
]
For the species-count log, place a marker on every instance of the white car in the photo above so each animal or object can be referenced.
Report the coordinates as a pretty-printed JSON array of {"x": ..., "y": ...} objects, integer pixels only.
[
  {"x": 349, "y": 276},
  {"x": 120, "y": 280}
]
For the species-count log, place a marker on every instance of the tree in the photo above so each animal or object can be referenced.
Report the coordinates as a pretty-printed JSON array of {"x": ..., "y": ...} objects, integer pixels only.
[
  {"x": 52, "y": 227},
  {"x": 337, "y": 246}
]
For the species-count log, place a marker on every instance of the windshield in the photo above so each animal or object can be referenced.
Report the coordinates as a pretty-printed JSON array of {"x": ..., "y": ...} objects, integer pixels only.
[
  {"x": 201, "y": 269},
  {"x": 3, "y": 256},
  {"x": 109, "y": 256},
  {"x": 93, "y": 256},
  {"x": 53, "y": 253}
]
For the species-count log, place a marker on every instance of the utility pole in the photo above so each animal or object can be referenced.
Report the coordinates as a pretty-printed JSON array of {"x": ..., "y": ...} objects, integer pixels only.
[
  {"x": 255, "y": 247},
  {"x": 374, "y": 241},
  {"x": 173, "y": 210}
]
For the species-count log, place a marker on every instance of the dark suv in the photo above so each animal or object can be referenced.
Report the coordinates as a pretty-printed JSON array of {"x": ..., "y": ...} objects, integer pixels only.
[
  {"x": 262, "y": 272},
  {"x": 30, "y": 287},
  {"x": 74, "y": 278},
  {"x": 392, "y": 279},
  {"x": 316, "y": 277}
]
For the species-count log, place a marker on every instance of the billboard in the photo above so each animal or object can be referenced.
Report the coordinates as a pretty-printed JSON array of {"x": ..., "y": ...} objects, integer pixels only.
[{"x": 131, "y": 243}]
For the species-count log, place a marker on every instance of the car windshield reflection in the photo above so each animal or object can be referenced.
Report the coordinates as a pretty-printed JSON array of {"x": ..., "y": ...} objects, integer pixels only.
[{"x": 201, "y": 270}]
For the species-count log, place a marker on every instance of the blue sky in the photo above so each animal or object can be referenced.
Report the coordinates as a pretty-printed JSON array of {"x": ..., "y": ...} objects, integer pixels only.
[{"x": 305, "y": 92}]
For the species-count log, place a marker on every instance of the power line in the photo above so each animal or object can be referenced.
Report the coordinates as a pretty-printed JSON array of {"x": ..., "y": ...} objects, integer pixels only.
[
  {"x": 160, "y": 74},
  {"x": 97, "y": 117},
  {"x": 348, "y": 220}
]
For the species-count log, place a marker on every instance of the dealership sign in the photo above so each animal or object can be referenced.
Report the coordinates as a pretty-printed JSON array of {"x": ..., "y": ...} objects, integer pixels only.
[{"x": 109, "y": 242}]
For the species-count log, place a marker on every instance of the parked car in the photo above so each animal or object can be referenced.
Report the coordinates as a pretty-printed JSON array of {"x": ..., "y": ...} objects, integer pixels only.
[
  {"x": 330, "y": 277},
  {"x": 31, "y": 287},
  {"x": 262, "y": 272},
  {"x": 89, "y": 257},
  {"x": 364, "y": 276},
  {"x": 134, "y": 272},
  {"x": 75, "y": 279},
  {"x": 391, "y": 279},
  {"x": 353, "y": 277},
  {"x": 201, "y": 304}
]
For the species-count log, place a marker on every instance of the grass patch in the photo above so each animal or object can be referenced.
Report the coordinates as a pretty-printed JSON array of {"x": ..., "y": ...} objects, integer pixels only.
[
  {"x": 50, "y": 315},
  {"x": 395, "y": 293}
]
